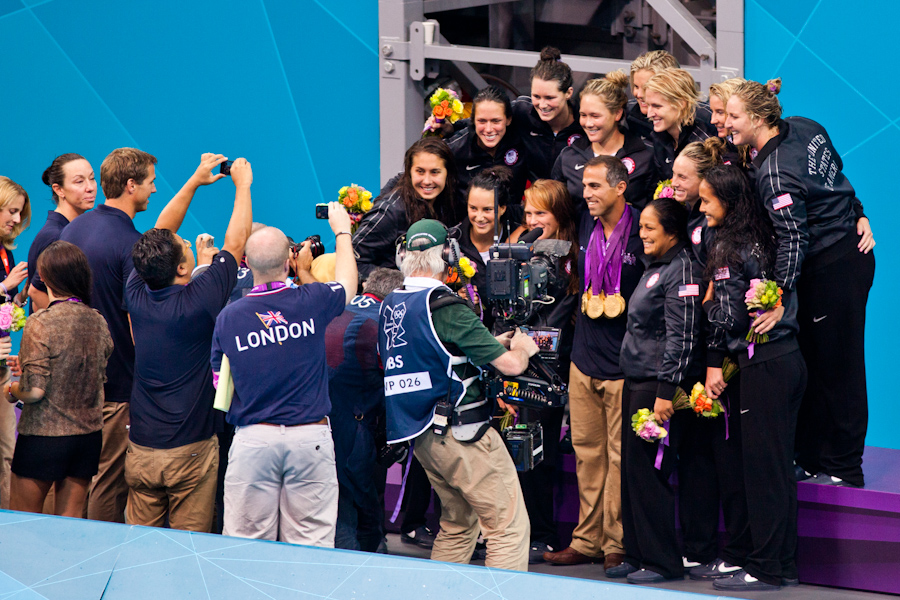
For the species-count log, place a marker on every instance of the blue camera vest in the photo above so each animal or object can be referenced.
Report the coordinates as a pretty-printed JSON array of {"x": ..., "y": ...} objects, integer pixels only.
[{"x": 418, "y": 369}]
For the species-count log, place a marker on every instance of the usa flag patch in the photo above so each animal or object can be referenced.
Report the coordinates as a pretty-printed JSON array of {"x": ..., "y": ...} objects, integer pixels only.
[
  {"x": 782, "y": 201},
  {"x": 691, "y": 289}
]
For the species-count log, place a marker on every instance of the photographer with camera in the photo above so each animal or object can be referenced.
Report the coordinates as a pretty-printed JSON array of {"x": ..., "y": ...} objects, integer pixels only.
[
  {"x": 431, "y": 345},
  {"x": 611, "y": 267},
  {"x": 548, "y": 208},
  {"x": 173, "y": 454},
  {"x": 281, "y": 481}
]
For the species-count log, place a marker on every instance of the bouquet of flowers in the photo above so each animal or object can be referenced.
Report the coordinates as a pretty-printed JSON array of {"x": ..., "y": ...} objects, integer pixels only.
[
  {"x": 763, "y": 295},
  {"x": 445, "y": 104},
  {"x": 701, "y": 403},
  {"x": 12, "y": 318},
  {"x": 664, "y": 189},
  {"x": 645, "y": 426},
  {"x": 357, "y": 200}
]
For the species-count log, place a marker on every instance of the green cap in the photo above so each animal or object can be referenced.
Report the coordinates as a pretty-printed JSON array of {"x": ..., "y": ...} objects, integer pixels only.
[{"x": 433, "y": 232}]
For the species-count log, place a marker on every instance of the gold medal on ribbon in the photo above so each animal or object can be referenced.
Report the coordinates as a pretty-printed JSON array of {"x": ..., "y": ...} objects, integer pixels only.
[
  {"x": 595, "y": 306},
  {"x": 584, "y": 302},
  {"x": 611, "y": 307},
  {"x": 622, "y": 303}
]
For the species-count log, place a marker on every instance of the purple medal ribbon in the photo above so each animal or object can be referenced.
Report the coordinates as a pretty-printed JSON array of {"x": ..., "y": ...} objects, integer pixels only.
[
  {"x": 272, "y": 285},
  {"x": 662, "y": 446},
  {"x": 607, "y": 277},
  {"x": 396, "y": 512}
]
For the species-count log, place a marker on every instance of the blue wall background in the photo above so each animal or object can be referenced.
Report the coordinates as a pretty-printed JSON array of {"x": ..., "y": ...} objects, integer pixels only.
[{"x": 292, "y": 86}]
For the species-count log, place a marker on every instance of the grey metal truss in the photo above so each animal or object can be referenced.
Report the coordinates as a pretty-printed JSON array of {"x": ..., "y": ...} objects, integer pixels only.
[{"x": 405, "y": 60}]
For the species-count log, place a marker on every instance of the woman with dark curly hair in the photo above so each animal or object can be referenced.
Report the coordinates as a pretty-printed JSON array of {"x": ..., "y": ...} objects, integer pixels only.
[
  {"x": 424, "y": 190},
  {"x": 772, "y": 376}
]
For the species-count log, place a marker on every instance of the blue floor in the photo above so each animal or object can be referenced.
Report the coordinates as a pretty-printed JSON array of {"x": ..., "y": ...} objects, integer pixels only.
[{"x": 44, "y": 557}]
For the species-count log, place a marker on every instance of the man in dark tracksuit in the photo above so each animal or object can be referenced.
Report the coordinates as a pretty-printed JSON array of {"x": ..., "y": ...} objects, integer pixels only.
[
  {"x": 637, "y": 156},
  {"x": 356, "y": 389},
  {"x": 815, "y": 211}
]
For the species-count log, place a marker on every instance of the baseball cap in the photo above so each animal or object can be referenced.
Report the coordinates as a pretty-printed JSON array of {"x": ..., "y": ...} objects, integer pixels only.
[{"x": 433, "y": 232}]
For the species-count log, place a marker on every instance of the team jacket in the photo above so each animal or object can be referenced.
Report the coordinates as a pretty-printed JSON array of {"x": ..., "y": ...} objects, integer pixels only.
[
  {"x": 374, "y": 242},
  {"x": 664, "y": 149},
  {"x": 472, "y": 158},
  {"x": 636, "y": 121},
  {"x": 698, "y": 232},
  {"x": 661, "y": 340},
  {"x": 800, "y": 180},
  {"x": 637, "y": 156},
  {"x": 543, "y": 145},
  {"x": 730, "y": 320}
]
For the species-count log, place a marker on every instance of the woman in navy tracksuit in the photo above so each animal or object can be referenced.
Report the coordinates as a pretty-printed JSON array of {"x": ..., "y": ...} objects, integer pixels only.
[
  {"x": 546, "y": 119},
  {"x": 824, "y": 253},
  {"x": 643, "y": 68},
  {"x": 658, "y": 354},
  {"x": 601, "y": 114},
  {"x": 772, "y": 380},
  {"x": 490, "y": 140},
  {"x": 423, "y": 190},
  {"x": 677, "y": 115}
]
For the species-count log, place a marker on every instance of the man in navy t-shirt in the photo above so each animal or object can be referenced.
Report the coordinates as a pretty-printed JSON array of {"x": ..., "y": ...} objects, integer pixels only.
[
  {"x": 281, "y": 481},
  {"x": 172, "y": 456},
  {"x": 106, "y": 235}
]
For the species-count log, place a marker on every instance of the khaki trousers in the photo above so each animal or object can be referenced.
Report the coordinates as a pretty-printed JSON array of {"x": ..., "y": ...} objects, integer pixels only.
[
  {"x": 479, "y": 491},
  {"x": 178, "y": 482},
  {"x": 7, "y": 447},
  {"x": 108, "y": 493},
  {"x": 595, "y": 408}
]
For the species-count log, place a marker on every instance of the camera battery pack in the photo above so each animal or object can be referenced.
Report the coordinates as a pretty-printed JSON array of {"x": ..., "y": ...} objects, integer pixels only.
[
  {"x": 442, "y": 413},
  {"x": 526, "y": 445}
]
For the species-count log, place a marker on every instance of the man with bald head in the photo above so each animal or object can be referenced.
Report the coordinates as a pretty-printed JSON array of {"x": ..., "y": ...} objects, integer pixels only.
[{"x": 281, "y": 483}]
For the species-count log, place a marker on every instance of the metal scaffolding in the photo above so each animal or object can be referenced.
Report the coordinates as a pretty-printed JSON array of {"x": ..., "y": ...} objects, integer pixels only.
[{"x": 405, "y": 59}]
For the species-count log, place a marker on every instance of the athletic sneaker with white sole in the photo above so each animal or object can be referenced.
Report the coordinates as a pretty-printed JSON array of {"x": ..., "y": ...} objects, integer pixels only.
[{"x": 717, "y": 569}]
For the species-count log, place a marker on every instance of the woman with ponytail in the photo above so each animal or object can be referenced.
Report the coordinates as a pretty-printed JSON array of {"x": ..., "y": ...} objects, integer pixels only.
[
  {"x": 766, "y": 393},
  {"x": 546, "y": 118},
  {"x": 673, "y": 106},
  {"x": 719, "y": 93},
  {"x": 602, "y": 115},
  {"x": 823, "y": 255},
  {"x": 74, "y": 191}
]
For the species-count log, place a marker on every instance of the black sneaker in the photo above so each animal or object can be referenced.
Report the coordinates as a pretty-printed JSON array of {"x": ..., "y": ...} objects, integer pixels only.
[
  {"x": 480, "y": 552},
  {"x": 536, "y": 552},
  {"x": 801, "y": 474},
  {"x": 420, "y": 536},
  {"x": 717, "y": 569},
  {"x": 742, "y": 581},
  {"x": 825, "y": 479}
]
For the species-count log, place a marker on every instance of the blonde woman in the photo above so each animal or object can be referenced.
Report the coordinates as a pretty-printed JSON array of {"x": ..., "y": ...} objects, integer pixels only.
[
  {"x": 719, "y": 93},
  {"x": 602, "y": 115},
  {"x": 824, "y": 241},
  {"x": 672, "y": 106},
  {"x": 643, "y": 68},
  {"x": 15, "y": 215}
]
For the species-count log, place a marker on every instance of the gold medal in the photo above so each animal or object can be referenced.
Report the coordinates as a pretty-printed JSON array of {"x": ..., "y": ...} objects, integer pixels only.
[
  {"x": 595, "y": 306},
  {"x": 622, "y": 303},
  {"x": 584, "y": 302},
  {"x": 611, "y": 307}
]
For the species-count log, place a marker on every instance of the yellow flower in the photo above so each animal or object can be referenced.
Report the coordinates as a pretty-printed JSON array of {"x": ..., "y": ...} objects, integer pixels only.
[
  {"x": 457, "y": 106},
  {"x": 365, "y": 195},
  {"x": 366, "y": 205},
  {"x": 343, "y": 191},
  {"x": 467, "y": 268}
]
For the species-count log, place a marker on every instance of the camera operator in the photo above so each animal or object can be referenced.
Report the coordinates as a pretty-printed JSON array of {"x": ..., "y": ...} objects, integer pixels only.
[
  {"x": 281, "y": 481},
  {"x": 549, "y": 207},
  {"x": 431, "y": 344},
  {"x": 609, "y": 262}
]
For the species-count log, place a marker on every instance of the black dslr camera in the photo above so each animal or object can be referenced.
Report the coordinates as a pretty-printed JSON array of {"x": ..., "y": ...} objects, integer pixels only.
[{"x": 316, "y": 247}]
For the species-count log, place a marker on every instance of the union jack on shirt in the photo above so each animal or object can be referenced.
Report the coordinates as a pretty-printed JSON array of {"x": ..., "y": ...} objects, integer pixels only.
[{"x": 272, "y": 318}]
